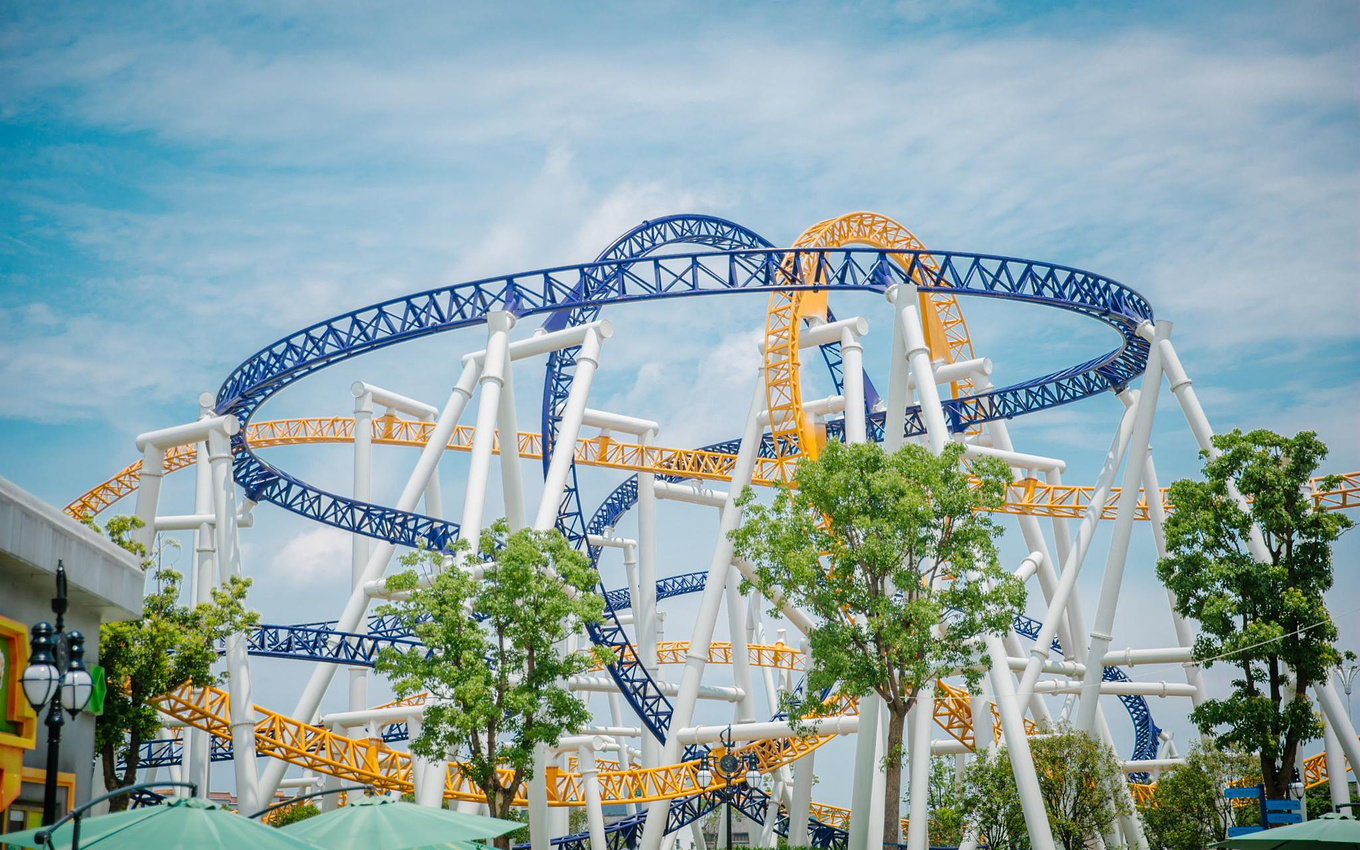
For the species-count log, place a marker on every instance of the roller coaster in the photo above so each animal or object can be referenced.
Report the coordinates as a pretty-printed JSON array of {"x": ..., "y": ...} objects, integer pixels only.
[{"x": 937, "y": 390}]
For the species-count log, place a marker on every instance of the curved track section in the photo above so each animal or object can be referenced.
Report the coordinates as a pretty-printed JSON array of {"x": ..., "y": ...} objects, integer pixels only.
[
  {"x": 583, "y": 287},
  {"x": 680, "y": 275}
]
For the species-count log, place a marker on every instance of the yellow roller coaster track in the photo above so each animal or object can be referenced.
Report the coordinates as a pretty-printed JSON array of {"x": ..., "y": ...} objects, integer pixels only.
[
  {"x": 1027, "y": 496},
  {"x": 946, "y": 331}
]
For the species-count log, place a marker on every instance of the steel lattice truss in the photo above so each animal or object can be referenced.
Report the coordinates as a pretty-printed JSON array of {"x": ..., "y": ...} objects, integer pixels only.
[{"x": 633, "y": 270}]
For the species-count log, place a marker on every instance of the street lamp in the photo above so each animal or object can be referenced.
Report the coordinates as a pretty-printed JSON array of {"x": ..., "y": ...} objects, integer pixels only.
[
  {"x": 729, "y": 768},
  {"x": 1347, "y": 673},
  {"x": 56, "y": 678}
]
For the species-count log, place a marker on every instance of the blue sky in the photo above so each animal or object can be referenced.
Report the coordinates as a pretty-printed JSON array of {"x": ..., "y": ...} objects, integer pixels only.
[{"x": 181, "y": 185}]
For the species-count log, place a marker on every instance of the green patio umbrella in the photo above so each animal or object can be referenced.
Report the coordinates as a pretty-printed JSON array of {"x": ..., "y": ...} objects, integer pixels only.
[
  {"x": 1330, "y": 832},
  {"x": 379, "y": 823},
  {"x": 178, "y": 824}
]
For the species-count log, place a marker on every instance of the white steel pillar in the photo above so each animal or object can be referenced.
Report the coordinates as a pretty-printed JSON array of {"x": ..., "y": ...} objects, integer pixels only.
[
  {"x": 801, "y": 809},
  {"x": 507, "y": 435},
  {"x": 696, "y": 832},
  {"x": 1337, "y": 784},
  {"x": 1067, "y": 579},
  {"x": 197, "y": 743},
  {"x": 494, "y": 366},
  {"x": 359, "y": 543},
  {"x": 852, "y": 383},
  {"x": 918, "y": 356},
  {"x": 537, "y": 794},
  {"x": 564, "y": 449},
  {"x": 590, "y": 780},
  {"x": 426, "y": 775},
  {"x": 644, "y": 604},
  {"x": 1334, "y": 713},
  {"x": 241, "y": 709},
  {"x": 721, "y": 562},
  {"x": 1185, "y": 633},
  {"x": 1119, "y": 538},
  {"x": 381, "y": 555},
  {"x": 920, "y": 719},
  {"x": 895, "y": 412},
  {"x": 863, "y": 812},
  {"x": 741, "y": 655},
  {"x": 1017, "y": 745}
]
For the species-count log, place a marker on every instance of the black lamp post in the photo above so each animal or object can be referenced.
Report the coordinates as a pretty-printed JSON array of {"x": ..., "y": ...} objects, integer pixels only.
[
  {"x": 729, "y": 768},
  {"x": 56, "y": 678}
]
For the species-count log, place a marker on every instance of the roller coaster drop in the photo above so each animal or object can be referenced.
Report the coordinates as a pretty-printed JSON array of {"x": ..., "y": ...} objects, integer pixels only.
[{"x": 660, "y": 783}]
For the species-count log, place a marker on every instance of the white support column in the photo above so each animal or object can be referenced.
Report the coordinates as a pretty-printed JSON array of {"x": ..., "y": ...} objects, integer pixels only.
[
  {"x": 895, "y": 411},
  {"x": 149, "y": 495},
  {"x": 507, "y": 434},
  {"x": 920, "y": 719},
  {"x": 537, "y": 792},
  {"x": 360, "y": 543},
  {"x": 1123, "y": 528},
  {"x": 800, "y": 811},
  {"x": 696, "y": 832},
  {"x": 590, "y": 780},
  {"x": 1337, "y": 783},
  {"x": 494, "y": 366},
  {"x": 862, "y": 811},
  {"x": 426, "y": 774},
  {"x": 741, "y": 656},
  {"x": 918, "y": 357},
  {"x": 241, "y": 708},
  {"x": 719, "y": 564},
  {"x": 1185, "y": 633},
  {"x": 357, "y": 606},
  {"x": 1017, "y": 745},
  {"x": 197, "y": 743},
  {"x": 1335, "y": 714},
  {"x": 852, "y": 382},
  {"x": 564, "y": 449},
  {"x": 644, "y": 604},
  {"x": 1067, "y": 579}
]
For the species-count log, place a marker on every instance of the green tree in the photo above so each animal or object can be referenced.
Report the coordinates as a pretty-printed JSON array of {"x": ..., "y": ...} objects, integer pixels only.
[
  {"x": 170, "y": 644},
  {"x": 1079, "y": 779},
  {"x": 896, "y": 557},
  {"x": 293, "y": 814},
  {"x": 1079, "y": 782},
  {"x": 1269, "y": 620},
  {"x": 945, "y": 803},
  {"x": 494, "y": 687},
  {"x": 1189, "y": 811},
  {"x": 990, "y": 798}
]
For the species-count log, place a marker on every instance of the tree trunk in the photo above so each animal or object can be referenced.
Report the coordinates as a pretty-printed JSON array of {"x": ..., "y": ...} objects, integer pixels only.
[
  {"x": 111, "y": 779},
  {"x": 892, "y": 790},
  {"x": 498, "y": 804}
]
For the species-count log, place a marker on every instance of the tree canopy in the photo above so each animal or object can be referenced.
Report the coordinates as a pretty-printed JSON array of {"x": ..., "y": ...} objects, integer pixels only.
[
  {"x": 170, "y": 644},
  {"x": 896, "y": 558},
  {"x": 1189, "y": 811},
  {"x": 1079, "y": 779},
  {"x": 1269, "y": 620},
  {"x": 493, "y": 660}
]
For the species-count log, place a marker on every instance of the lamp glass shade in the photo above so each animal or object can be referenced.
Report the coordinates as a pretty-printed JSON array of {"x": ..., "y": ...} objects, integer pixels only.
[
  {"x": 40, "y": 683},
  {"x": 705, "y": 777},
  {"x": 76, "y": 687},
  {"x": 752, "y": 778}
]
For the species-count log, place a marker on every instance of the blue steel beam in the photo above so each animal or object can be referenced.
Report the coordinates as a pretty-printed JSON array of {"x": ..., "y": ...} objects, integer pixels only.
[{"x": 571, "y": 292}]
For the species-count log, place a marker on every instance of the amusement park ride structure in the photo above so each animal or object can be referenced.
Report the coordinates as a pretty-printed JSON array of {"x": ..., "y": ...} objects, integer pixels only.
[{"x": 937, "y": 390}]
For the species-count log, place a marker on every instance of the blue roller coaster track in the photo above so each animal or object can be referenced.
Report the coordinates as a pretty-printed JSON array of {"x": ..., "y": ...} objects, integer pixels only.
[{"x": 628, "y": 272}]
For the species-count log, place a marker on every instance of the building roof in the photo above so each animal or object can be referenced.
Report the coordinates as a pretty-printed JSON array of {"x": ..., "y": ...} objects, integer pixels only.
[{"x": 35, "y": 535}]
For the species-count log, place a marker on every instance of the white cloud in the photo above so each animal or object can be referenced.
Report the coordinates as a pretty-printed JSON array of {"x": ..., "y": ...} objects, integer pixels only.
[{"x": 318, "y": 556}]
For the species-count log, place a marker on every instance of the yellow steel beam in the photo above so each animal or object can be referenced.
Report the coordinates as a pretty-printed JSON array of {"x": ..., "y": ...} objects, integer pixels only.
[{"x": 1027, "y": 496}]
